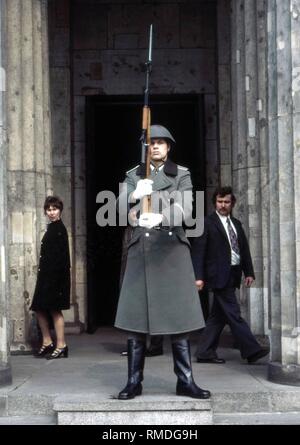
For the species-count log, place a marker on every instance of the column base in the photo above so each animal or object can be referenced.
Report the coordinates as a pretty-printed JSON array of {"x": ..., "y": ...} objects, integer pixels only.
[
  {"x": 284, "y": 374},
  {"x": 5, "y": 375}
]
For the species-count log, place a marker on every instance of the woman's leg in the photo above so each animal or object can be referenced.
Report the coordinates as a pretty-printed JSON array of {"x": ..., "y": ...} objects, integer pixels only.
[
  {"x": 59, "y": 326},
  {"x": 43, "y": 324}
]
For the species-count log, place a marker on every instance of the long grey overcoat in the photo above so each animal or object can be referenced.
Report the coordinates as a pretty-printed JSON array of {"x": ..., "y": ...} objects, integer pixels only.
[{"x": 158, "y": 294}]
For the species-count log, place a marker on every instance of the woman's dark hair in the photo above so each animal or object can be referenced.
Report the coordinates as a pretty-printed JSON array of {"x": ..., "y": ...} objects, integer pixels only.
[
  {"x": 53, "y": 201},
  {"x": 223, "y": 191}
]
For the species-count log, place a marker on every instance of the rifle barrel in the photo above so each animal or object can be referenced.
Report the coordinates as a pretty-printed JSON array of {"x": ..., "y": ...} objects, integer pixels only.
[{"x": 150, "y": 44}]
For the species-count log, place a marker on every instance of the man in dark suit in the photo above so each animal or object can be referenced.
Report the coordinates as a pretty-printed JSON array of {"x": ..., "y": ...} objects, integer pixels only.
[{"x": 220, "y": 256}]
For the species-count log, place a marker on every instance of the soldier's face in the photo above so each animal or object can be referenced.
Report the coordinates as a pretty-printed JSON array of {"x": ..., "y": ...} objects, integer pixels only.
[
  {"x": 53, "y": 213},
  {"x": 159, "y": 149},
  {"x": 224, "y": 205}
]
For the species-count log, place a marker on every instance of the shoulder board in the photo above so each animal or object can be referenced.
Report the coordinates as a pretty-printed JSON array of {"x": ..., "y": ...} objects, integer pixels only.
[
  {"x": 182, "y": 168},
  {"x": 132, "y": 169}
]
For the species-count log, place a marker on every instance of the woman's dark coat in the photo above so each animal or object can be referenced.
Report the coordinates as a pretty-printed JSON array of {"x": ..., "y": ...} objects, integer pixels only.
[
  {"x": 52, "y": 291},
  {"x": 158, "y": 294}
]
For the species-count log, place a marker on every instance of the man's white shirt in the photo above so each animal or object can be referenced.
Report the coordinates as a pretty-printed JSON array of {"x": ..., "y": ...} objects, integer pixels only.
[{"x": 235, "y": 258}]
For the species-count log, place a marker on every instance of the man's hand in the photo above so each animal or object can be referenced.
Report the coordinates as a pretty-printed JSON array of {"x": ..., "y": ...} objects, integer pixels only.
[
  {"x": 248, "y": 281},
  {"x": 150, "y": 220},
  {"x": 143, "y": 188},
  {"x": 199, "y": 284}
]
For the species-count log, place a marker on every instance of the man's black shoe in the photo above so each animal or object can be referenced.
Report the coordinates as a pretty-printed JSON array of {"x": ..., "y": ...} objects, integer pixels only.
[
  {"x": 215, "y": 360},
  {"x": 260, "y": 354},
  {"x": 152, "y": 352}
]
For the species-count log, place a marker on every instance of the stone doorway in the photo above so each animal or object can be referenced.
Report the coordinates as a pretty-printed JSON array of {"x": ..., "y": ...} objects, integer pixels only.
[{"x": 112, "y": 134}]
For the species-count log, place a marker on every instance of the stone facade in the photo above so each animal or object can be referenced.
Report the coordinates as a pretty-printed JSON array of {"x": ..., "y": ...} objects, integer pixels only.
[{"x": 242, "y": 56}]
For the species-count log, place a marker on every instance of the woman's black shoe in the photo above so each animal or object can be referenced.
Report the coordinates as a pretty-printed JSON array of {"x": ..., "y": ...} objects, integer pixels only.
[
  {"x": 59, "y": 353},
  {"x": 44, "y": 350}
]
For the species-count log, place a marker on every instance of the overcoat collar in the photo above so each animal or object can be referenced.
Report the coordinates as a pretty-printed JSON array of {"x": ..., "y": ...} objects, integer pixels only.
[{"x": 170, "y": 169}]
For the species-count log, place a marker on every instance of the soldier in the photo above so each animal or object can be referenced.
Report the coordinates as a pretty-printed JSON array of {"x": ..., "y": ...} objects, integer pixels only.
[{"x": 158, "y": 294}]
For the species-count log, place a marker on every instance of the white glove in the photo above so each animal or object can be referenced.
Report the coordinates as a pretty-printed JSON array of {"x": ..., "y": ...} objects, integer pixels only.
[
  {"x": 143, "y": 188},
  {"x": 150, "y": 220}
]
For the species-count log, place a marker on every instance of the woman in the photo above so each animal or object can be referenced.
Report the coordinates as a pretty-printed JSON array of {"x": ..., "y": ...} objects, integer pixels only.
[{"x": 52, "y": 292}]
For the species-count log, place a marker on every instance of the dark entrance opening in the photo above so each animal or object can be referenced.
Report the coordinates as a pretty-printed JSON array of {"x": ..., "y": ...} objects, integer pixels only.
[{"x": 113, "y": 126}]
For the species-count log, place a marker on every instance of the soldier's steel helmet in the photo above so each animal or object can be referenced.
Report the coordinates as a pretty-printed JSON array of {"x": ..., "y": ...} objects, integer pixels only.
[{"x": 158, "y": 131}]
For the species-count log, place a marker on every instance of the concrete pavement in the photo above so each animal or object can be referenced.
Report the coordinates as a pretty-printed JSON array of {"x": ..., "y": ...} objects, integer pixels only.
[{"x": 45, "y": 392}]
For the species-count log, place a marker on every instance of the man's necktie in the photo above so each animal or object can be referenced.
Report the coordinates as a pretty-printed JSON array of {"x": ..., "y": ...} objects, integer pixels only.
[{"x": 233, "y": 237}]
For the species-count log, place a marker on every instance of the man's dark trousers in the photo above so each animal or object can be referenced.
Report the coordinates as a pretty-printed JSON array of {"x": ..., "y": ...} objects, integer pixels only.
[{"x": 226, "y": 310}]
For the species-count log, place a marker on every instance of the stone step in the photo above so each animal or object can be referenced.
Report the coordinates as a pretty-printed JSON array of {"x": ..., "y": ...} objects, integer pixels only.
[
  {"x": 34, "y": 404},
  {"x": 285, "y": 400},
  {"x": 74, "y": 410},
  {"x": 267, "y": 408},
  {"x": 28, "y": 420},
  {"x": 30, "y": 404},
  {"x": 271, "y": 418}
]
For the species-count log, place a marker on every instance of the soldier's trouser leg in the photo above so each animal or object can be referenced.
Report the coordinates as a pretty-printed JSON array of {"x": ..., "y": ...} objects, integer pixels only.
[
  {"x": 136, "y": 347},
  {"x": 156, "y": 346},
  {"x": 183, "y": 369}
]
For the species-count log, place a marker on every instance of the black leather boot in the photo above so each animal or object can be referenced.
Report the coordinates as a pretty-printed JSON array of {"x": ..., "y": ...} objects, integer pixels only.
[
  {"x": 183, "y": 369},
  {"x": 136, "y": 359},
  {"x": 156, "y": 346}
]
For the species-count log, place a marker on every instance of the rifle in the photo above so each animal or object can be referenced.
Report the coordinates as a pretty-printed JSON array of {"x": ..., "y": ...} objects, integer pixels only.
[{"x": 145, "y": 137}]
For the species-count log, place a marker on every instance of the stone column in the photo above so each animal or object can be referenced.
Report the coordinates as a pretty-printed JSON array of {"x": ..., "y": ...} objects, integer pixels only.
[
  {"x": 262, "y": 235},
  {"x": 29, "y": 153},
  {"x": 284, "y": 144},
  {"x": 248, "y": 163},
  {"x": 252, "y": 193},
  {"x": 224, "y": 90},
  {"x": 5, "y": 370},
  {"x": 68, "y": 154}
]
